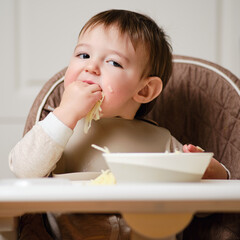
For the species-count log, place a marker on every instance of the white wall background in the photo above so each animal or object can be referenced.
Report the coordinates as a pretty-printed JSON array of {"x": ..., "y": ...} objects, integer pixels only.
[{"x": 38, "y": 37}]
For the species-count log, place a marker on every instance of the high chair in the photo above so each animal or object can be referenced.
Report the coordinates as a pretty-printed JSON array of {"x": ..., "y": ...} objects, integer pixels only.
[{"x": 200, "y": 105}]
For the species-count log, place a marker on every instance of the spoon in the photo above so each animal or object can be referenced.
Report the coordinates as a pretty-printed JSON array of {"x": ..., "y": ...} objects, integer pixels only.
[{"x": 105, "y": 149}]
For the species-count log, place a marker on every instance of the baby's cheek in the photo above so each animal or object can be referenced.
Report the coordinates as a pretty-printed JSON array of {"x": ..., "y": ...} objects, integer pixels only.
[
  {"x": 68, "y": 79},
  {"x": 113, "y": 94},
  {"x": 110, "y": 98},
  {"x": 108, "y": 93}
]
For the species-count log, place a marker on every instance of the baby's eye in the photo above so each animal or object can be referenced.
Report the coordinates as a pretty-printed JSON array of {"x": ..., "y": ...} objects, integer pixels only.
[
  {"x": 84, "y": 55},
  {"x": 115, "y": 64}
]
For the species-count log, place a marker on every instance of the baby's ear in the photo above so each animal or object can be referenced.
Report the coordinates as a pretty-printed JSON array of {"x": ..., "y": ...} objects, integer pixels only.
[{"x": 151, "y": 89}]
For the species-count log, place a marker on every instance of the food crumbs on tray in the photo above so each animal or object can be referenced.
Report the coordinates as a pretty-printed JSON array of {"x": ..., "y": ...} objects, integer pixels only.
[{"x": 106, "y": 178}]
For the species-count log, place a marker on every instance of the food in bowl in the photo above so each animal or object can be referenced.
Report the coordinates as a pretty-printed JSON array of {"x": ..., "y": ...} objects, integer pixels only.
[{"x": 157, "y": 167}]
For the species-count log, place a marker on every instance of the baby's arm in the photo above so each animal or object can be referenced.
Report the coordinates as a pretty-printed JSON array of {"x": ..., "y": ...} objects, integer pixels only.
[
  {"x": 37, "y": 153},
  {"x": 215, "y": 169}
]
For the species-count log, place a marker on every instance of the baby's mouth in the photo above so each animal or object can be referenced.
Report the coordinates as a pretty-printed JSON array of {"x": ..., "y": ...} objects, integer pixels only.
[{"x": 88, "y": 82}]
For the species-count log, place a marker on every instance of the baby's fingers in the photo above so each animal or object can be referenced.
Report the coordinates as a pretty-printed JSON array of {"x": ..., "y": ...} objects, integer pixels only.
[
  {"x": 98, "y": 95},
  {"x": 187, "y": 148},
  {"x": 94, "y": 88}
]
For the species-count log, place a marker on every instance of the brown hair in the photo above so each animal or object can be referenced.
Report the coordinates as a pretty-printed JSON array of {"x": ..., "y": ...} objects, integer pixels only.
[{"x": 140, "y": 29}]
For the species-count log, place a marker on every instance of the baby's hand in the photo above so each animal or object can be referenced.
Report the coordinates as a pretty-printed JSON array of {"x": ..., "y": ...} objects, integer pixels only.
[
  {"x": 215, "y": 170},
  {"x": 78, "y": 99},
  {"x": 191, "y": 148}
]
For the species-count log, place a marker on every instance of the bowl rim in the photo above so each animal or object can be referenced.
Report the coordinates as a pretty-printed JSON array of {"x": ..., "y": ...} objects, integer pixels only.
[{"x": 156, "y": 153}]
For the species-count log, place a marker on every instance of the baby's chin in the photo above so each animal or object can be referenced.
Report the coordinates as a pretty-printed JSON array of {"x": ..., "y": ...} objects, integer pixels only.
[{"x": 105, "y": 115}]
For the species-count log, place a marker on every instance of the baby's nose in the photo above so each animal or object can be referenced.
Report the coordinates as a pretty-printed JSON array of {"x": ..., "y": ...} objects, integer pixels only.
[{"x": 93, "y": 68}]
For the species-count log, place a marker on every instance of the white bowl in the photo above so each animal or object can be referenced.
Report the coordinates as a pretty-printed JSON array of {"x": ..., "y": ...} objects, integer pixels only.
[{"x": 157, "y": 167}]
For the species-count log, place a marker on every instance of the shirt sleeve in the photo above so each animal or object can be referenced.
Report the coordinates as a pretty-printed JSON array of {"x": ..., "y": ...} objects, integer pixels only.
[
  {"x": 38, "y": 152},
  {"x": 58, "y": 131}
]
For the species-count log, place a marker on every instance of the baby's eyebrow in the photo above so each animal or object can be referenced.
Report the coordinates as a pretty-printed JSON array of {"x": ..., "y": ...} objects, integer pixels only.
[
  {"x": 81, "y": 45},
  {"x": 119, "y": 54}
]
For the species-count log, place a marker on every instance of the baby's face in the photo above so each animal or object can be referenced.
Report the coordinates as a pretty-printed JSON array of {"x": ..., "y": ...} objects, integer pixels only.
[{"x": 107, "y": 58}]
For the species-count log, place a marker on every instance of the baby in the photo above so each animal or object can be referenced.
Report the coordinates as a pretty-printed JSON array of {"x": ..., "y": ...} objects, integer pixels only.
[
  {"x": 125, "y": 57},
  {"x": 120, "y": 54}
]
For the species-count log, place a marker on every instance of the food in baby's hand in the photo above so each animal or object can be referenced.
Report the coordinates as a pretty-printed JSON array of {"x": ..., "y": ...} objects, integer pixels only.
[
  {"x": 94, "y": 114},
  {"x": 106, "y": 178}
]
